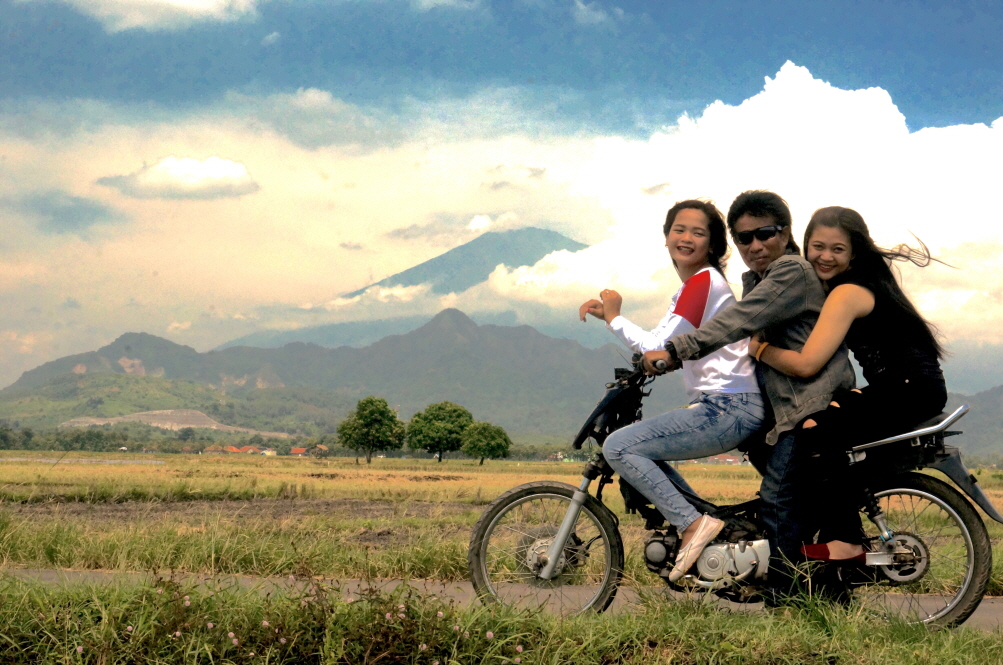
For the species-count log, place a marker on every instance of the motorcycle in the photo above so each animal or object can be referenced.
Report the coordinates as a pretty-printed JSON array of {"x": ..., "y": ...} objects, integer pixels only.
[{"x": 552, "y": 545}]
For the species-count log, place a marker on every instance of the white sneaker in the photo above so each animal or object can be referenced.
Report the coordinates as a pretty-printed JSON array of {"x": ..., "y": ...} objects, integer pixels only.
[{"x": 707, "y": 528}]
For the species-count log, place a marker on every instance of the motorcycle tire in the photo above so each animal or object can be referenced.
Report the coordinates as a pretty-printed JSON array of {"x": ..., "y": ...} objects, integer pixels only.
[
  {"x": 953, "y": 554},
  {"x": 518, "y": 526}
]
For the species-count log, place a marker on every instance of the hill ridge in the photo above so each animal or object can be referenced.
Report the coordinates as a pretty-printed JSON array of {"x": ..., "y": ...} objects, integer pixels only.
[{"x": 169, "y": 419}]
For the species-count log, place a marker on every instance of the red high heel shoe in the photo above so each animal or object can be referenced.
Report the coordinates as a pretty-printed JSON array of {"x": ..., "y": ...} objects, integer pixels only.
[{"x": 820, "y": 552}]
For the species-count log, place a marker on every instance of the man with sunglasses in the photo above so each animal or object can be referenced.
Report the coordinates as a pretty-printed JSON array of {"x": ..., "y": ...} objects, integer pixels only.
[{"x": 781, "y": 301}]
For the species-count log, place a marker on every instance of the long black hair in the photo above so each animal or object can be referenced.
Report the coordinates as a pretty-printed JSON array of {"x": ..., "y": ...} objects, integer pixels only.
[
  {"x": 874, "y": 263},
  {"x": 717, "y": 253}
]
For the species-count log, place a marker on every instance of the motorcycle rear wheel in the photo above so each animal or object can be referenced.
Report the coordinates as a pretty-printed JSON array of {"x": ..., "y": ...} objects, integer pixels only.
[
  {"x": 518, "y": 526},
  {"x": 954, "y": 555}
]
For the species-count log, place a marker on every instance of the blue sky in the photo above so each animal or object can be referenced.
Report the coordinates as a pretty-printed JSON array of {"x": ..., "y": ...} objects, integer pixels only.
[
  {"x": 202, "y": 169},
  {"x": 941, "y": 62}
]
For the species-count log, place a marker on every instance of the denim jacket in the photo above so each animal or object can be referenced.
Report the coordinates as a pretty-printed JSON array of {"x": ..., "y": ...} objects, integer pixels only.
[{"x": 784, "y": 305}]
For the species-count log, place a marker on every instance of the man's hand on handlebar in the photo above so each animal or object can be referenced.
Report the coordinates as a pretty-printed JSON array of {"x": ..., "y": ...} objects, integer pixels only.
[{"x": 658, "y": 362}]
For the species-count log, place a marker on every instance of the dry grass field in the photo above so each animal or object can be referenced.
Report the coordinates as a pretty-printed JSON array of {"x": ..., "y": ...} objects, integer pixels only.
[{"x": 255, "y": 515}]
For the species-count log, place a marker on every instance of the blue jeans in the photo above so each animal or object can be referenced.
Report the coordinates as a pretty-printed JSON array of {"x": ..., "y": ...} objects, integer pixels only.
[
  {"x": 711, "y": 425},
  {"x": 784, "y": 493}
]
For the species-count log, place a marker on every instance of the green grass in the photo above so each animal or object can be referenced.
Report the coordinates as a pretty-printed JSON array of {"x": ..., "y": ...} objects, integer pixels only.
[
  {"x": 257, "y": 516},
  {"x": 213, "y": 543},
  {"x": 167, "y": 622}
]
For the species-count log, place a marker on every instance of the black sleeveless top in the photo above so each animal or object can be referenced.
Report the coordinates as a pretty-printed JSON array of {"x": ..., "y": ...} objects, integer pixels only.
[{"x": 890, "y": 343}]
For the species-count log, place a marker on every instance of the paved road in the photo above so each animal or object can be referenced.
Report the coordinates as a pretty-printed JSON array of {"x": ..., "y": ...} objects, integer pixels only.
[{"x": 988, "y": 617}]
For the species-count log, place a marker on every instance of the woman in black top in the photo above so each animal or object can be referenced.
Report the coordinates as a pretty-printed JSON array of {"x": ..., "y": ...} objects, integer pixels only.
[{"x": 895, "y": 347}]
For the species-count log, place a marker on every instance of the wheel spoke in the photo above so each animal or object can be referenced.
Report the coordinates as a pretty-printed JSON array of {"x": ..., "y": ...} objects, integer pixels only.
[
  {"x": 521, "y": 530},
  {"x": 930, "y": 589}
]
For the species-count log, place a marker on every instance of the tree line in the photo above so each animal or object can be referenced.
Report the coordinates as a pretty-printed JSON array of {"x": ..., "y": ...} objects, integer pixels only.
[
  {"x": 441, "y": 428},
  {"x": 372, "y": 427}
]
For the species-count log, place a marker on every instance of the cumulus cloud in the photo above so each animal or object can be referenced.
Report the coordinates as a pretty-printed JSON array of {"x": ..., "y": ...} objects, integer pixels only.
[
  {"x": 380, "y": 295},
  {"x": 185, "y": 178},
  {"x": 179, "y": 325},
  {"x": 117, "y": 15},
  {"x": 478, "y": 223},
  {"x": 271, "y": 38},
  {"x": 816, "y": 145},
  {"x": 409, "y": 199}
]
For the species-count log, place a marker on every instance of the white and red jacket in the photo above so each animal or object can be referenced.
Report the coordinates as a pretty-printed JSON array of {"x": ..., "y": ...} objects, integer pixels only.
[{"x": 727, "y": 370}]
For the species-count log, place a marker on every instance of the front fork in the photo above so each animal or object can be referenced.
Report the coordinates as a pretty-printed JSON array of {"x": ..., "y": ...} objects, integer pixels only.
[
  {"x": 553, "y": 555},
  {"x": 593, "y": 470}
]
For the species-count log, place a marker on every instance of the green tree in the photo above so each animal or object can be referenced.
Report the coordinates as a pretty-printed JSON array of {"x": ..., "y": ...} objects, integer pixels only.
[
  {"x": 438, "y": 429},
  {"x": 485, "y": 440},
  {"x": 372, "y": 426},
  {"x": 186, "y": 434}
]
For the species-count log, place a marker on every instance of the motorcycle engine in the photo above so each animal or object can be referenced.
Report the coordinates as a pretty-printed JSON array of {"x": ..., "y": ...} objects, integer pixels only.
[
  {"x": 660, "y": 551},
  {"x": 741, "y": 561}
]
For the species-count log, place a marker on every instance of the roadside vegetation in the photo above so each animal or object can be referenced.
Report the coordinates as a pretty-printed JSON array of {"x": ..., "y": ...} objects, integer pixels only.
[
  {"x": 255, "y": 515},
  {"x": 168, "y": 622}
]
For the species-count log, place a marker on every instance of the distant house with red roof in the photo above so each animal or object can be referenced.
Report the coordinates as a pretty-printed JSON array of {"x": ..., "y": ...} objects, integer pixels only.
[
  {"x": 231, "y": 449},
  {"x": 254, "y": 450},
  {"x": 724, "y": 459},
  {"x": 298, "y": 452}
]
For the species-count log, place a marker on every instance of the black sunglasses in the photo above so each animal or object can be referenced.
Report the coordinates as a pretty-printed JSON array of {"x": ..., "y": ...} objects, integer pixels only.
[{"x": 762, "y": 234}]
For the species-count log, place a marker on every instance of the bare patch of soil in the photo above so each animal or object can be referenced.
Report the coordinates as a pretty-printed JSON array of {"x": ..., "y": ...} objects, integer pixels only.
[{"x": 444, "y": 476}]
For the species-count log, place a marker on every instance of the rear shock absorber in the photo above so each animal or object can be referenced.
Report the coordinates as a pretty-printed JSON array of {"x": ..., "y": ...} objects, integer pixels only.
[{"x": 874, "y": 512}]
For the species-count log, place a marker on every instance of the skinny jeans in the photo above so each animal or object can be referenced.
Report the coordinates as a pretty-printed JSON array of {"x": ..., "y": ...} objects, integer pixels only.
[{"x": 712, "y": 424}]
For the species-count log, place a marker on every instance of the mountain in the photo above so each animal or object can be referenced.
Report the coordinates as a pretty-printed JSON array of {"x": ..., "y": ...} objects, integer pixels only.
[
  {"x": 513, "y": 376},
  {"x": 470, "y": 264},
  {"x": 362, "y": 333},
  {"x": 982, "y": 425}
]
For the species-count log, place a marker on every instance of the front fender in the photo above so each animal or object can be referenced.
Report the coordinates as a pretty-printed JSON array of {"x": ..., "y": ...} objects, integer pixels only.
[
  {"x": 607, "y": 399},
  {"x": 951, "y": 466}
]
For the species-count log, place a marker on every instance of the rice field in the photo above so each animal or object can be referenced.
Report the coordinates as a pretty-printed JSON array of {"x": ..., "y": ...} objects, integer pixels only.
[{"x": 265, "y": 516}]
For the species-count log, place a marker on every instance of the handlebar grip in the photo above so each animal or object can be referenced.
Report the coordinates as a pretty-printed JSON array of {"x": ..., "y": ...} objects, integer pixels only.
[{"x": 661, "y": 365}]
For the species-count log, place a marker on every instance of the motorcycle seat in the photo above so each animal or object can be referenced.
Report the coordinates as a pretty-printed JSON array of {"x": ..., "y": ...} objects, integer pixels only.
[{"x": 934, "y": 425}]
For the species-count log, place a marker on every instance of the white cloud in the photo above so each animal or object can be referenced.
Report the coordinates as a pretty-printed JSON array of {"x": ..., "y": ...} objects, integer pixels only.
[
  {"x": 590, "y": 13},
  {"x": 179, "y": 325},
  {"x": 271, "y": 38},
  {"x": 479, "y": 222},
  {"x": 185, "y": 178},
  {"x": 816, "y": 145},
  {"x": 425, "y": 5},
  {"x": 117, "y": 15},
  {"x": 407, "y": 198}
]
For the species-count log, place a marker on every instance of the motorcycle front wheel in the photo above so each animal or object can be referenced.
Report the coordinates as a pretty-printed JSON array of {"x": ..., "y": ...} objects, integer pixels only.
[
  {"x": 509, "y": 539},
  {"x": 948, "y": 572}
]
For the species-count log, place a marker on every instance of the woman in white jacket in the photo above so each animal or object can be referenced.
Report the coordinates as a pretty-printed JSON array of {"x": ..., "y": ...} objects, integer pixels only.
[{"x": 726, "y": 406}]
